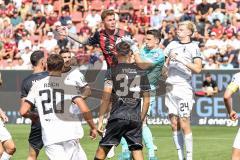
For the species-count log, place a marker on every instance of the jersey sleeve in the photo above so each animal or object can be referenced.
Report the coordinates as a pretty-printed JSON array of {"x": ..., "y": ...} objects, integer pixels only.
[
  {"x": 234, "y": 84},
  {"x": 24, "y": 91},
  {"x": 81, "y": 81},
  {"x": 196, "y": 52},
  {"x": 31, "y": 97}
]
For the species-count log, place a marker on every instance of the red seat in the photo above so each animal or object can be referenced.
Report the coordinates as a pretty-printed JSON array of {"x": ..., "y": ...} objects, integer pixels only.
[{"x": 76, "y": 17}]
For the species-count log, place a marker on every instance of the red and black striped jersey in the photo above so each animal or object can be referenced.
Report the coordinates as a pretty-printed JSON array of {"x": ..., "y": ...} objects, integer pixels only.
[{"x": 107, "y": 44}]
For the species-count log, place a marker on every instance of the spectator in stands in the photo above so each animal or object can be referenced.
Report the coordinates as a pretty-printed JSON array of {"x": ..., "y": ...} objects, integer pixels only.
[
  {"x": 150, "y": 8},
  {"x": 219, "y": 4},
  {"x": 209, "y": 85},
  {"x": 48, "y": 7},
  {"x": 210, "y": 63},
  {"x": 218, "y": 28},
  {"x": 25, "y": 56},
  {"x": 35, "y": 45},
  {"x": 178, "y": 9},
  {"x": 223, "y": 59},
  {"x": 233, "y": 56},
  {"x": 170, "y": 37},
  {"x": 29, "y": 24},
  {"x": 16, "y": 19},
  {"x": 35, "y": 7},
  {"x": 93, "y": 19},
  {"x": 24, "y": 42},
  {"x": 50, "y": 43},
  {"x": 203, "y": 11},
  {"x": 236, "y": 41},
  {"x": 113, "y": 5},
  {"x": 231, "y": 7},
  {"x": 64, "y": 17},
  {"x": 211, "y": 45},
  {"x": 7, "y": 30},
  {"x": 156, "y": 19},
  {"x": 217, "y": 14},
  {"x": 71, "y": 27},
  {"x": 9, "y": 49},
  {"x": 165, "y": 5},
  {"x": 169, "y": 16},
  {"x": 143, "y": 22},
  {"x": 198, "y": 37},
  {"x": 40, "y": 22},
  {"x": 52, "y": 18},
  {"x": 19, "y": 31},
  {"x": 24, "y": 10}
]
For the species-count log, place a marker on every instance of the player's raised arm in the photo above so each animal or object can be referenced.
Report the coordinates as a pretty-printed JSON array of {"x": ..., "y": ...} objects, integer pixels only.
[{"x": 231, "y": 89}]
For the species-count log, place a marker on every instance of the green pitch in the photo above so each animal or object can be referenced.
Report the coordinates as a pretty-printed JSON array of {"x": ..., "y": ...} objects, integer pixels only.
[{"x": 210, "y": 143}]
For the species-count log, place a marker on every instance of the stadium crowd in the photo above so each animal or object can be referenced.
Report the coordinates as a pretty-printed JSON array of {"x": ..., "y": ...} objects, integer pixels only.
[{"x": 29, "y": 25}]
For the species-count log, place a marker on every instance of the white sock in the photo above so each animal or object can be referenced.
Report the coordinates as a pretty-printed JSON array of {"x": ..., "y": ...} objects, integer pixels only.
[
  {"x": 178, "y": 140},
  {"x": 5, "y": 156},
  {"x": 189, "y": 146}
]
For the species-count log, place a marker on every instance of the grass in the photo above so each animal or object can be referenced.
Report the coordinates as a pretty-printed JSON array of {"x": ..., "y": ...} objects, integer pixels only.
[{"x": 210, "y": 143}]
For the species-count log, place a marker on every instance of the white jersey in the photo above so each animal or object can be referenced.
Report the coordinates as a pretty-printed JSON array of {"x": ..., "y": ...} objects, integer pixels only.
[
  {"x": 74, "y": 77},
  {"x": 53, "y": 98},
  {"x": 177, "y": 72}
]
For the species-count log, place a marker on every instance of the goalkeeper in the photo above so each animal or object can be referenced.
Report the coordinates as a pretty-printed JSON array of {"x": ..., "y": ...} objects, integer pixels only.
[{"x": 152, "y": 59}]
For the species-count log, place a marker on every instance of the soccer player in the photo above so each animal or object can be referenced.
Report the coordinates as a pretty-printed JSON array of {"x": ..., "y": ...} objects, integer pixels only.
[
  {"x": 151, "y": 58},
  {"x": 73, "y": 75},
  {"x": 183, "y": 58},
  {"x": 53, "y": 97},
  {"x": 7, "y": 146},
  {"x": 232, "y": 88},
  {"x": 124, "y": 84},
  {"x": 35, "y": 137},
  {"x": 106, "y": 37}
]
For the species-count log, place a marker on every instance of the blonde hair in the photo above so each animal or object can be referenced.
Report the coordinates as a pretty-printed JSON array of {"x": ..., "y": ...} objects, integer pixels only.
[{"x": 190, "y": 25}]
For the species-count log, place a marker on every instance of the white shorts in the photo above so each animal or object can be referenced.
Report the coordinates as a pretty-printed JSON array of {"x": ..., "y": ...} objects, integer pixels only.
[
  {"x": 68, "y": 150},
  {"x": 236, "y": 143},
  {"x": 179, "y": 101},
  {"x": 4, "y": 134}
]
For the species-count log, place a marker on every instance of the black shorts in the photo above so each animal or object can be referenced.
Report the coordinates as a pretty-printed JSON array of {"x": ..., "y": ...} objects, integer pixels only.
[
  {"x": 35, "y": 136},
  {"x": 118, "y": 128}
]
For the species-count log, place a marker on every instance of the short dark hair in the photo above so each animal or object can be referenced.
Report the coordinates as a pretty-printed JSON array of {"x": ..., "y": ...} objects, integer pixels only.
[
  {"x": 55, "y": 62},
  {"x": 123, "y": 48},
  {"x": 36, "y": 56},
  {"x": 107, "y": 12},
  {"x": 155, "y": 33},
  {"x": 65, "y": 50},
  {"x": 207, "y": 74}
]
